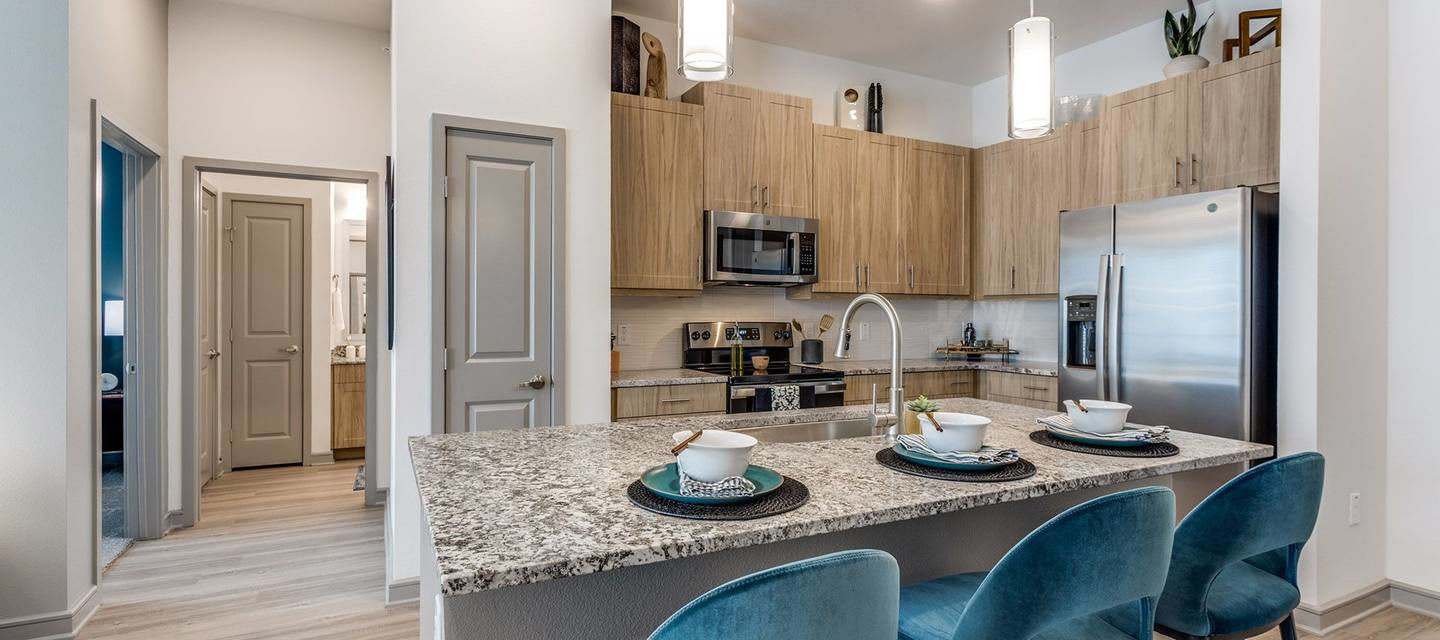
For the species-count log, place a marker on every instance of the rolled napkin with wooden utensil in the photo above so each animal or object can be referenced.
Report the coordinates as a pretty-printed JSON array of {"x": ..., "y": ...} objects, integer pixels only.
[
  {"x": 1062, "y": 425},
  {"x": 986, "y": 455}
]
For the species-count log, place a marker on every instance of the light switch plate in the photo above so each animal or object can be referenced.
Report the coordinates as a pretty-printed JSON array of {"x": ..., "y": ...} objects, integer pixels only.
[{"x": 622, "y": 335}]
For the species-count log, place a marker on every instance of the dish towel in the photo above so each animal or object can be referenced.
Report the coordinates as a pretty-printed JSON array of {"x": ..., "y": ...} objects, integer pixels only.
[
  {"x": 986, "y": 455},
  {"x": 785, "y": 397},
  {"x": 337, "y": 309},
  {"x": 1131, "y": 432},
  {"x": 732, "y": 487}
]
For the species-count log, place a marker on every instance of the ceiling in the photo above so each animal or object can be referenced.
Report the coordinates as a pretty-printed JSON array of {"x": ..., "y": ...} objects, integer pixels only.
[
  {"x": 962, "y": 41},
  {"x": 370, "y": 14}
]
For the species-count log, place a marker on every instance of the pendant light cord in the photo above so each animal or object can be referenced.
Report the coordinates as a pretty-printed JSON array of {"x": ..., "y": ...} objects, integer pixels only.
[{"x": 1032, "y": 8}]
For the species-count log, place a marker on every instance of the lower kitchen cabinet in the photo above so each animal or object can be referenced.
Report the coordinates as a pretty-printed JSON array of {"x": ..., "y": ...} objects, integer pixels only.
[
  {"x": 667, "y": 400},
  {"x": 1040, "y": 392},
  {"x": 931, "y": 384},
  {"x": 347, "y": 406}
]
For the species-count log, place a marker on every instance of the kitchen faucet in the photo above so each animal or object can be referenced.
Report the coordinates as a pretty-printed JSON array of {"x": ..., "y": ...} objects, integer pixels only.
[{"x": 890, "y": 421}]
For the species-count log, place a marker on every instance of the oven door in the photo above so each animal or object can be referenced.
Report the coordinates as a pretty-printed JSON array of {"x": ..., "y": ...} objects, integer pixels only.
[
  {"x": 752, "y": 248},
  {"x": 751, "y": 398}
]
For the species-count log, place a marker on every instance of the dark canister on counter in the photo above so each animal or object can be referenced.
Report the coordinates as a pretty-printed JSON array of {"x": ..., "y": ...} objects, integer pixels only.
[{"x": 812, "y": 351}]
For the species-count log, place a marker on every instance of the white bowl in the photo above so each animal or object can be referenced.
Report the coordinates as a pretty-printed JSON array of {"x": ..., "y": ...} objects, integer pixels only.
[
  {"x": 1102, "y": 417},
  {"x": 715, "y": 455},
  {"x": 962, "y": 431}
]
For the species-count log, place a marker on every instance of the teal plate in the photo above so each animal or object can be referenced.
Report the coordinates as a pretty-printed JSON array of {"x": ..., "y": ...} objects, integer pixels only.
[
  {"x": 664, "y": 481},
  {"x": 932, "y": 461},
  {"x": 1099, "y": 442}
]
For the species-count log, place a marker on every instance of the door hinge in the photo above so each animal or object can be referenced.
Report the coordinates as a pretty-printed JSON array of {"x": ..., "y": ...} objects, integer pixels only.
[
  {"x": 445, "y": 187},
  {"x": 445, "y": 358}
]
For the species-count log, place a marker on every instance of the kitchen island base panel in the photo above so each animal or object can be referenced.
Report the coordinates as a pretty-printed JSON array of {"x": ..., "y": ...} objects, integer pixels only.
[{"x": 630, "y": 602}]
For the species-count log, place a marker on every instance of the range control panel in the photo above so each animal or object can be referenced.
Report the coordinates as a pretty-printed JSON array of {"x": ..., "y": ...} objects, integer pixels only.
[{"x": 714, "y": 335}]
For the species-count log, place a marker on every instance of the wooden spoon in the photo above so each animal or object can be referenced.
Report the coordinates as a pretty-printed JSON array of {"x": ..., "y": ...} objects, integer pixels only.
[
  {"x": 1080, "y": 406},
  {"x": 825, "y": 322},
  {"x": 931, "y": 416},
  {"x": 675, "y": 451},
  {"x": 798, "y": 328}
]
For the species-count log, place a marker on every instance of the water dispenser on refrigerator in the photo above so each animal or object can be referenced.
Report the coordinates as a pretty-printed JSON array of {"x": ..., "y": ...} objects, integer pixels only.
[{"x": 1079, "y": 331}]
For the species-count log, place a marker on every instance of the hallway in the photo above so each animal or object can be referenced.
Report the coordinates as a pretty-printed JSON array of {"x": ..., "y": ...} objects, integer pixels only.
[{"x": 286, "y": 552}]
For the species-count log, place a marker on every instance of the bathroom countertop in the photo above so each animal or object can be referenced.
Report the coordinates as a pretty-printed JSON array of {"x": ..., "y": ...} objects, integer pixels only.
[
  {"x": 513, "y": 507},
  {"x": 334, "y": 359}
]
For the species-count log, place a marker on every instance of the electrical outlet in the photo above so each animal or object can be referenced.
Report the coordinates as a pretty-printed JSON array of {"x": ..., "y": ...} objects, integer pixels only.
[
  {"x": 864, "y": 331},
  {"x": 622, "y": 335},
  {"x": 1354, "y": 509}
]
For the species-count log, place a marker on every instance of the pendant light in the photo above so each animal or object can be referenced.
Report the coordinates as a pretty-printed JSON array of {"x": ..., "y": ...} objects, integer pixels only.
[
  {"x": 707, "y": 34},
  {"x": 1032, "y": 77}
]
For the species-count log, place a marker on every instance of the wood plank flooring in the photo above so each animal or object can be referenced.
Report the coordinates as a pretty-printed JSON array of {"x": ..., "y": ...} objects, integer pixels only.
[
  {"x": 288, "y": 552},
  {"x": 293, "y": 552}
]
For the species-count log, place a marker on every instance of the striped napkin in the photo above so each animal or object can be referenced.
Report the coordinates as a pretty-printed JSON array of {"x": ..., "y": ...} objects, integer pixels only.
[
  {"x": 1132, "y": 432},
  {"x": 732, "y": 487},
  {"x": 986, "y": 455}
]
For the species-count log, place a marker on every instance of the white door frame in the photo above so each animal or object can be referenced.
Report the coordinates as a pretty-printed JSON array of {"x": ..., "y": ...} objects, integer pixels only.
[
  {"x": 440, "y": 126},
  {"x": 190, "y": 172},
  {"x": 145, "y": 376}
]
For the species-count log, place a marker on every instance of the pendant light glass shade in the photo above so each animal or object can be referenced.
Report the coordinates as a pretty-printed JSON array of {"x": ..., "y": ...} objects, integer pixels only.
[
  {"x": 1032, "y": 78},
  {"x": 707, "y": 35}
]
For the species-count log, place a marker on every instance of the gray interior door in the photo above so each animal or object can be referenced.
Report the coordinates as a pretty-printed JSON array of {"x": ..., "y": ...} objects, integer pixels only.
[
  {"x": 266, "y": 284},
  {"x": 499, "y": 281},
  {"x": 1181, "y": 311},
  {"x": 209, "y": 352}
]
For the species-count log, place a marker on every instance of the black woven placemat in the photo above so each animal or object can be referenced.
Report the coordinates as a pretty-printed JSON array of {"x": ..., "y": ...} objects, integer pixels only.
[
  {"x": 1152, "y": 450},
  {"x": 1013, "y": 471},
  {"x": 791, "y": 494}
]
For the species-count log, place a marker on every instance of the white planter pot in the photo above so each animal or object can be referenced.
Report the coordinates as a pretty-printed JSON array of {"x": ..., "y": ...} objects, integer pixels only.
[{"x": 1185, "y": 64}]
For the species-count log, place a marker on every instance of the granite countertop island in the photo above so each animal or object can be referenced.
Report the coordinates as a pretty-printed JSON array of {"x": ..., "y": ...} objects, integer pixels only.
[{"x": 507, "y": 508}]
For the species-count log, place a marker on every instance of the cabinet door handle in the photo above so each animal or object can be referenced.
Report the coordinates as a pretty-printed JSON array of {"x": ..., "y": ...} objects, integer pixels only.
[
  {"x": 674, "y": 399},
  {"x": 1177, "y": 171},
  {"x": 1012, "y": 277},
  {"x": 910, "y": 276},
  {"x": 754, "y": 197},
  {"x": 867, "y": 276},
  {"x": 765, "y": 196},
  {"x": 857, "y": 275},
  {"x": 1194, "y": 168},
  {"x": 1037, "y": 388}
]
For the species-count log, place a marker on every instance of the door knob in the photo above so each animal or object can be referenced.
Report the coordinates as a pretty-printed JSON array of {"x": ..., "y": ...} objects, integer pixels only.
[
  {"x": 291, "y": 349},
  {"x": 212, "y": 354},
  {"x": 535, "y": 382}
]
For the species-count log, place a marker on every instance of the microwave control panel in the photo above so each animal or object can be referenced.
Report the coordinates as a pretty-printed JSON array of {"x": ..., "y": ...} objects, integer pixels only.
[{"x": 807, "y": 254}]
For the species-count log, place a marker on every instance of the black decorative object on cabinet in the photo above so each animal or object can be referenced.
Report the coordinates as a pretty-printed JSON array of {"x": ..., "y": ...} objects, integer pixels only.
[
  {"x": 874, "y": 103},
  {"x": 624, "y": 56}
]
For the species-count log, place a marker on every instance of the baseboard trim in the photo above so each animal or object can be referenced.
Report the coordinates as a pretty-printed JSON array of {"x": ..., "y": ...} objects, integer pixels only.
[
  {"x": 402, "y": 592},
  {"x": 56, "y": 625},
  {"x": 1322, "y": 620},
  {"x": 174, "y": 520},
  {"x": 321, "y": 458}
]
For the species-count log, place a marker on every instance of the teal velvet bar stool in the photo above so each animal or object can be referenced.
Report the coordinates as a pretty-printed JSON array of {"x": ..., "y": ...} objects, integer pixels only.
[
  {"x": 1092, "y": 573},
  {"x": 849, "y": 594},
  {"x": 1232, "y": 574}
]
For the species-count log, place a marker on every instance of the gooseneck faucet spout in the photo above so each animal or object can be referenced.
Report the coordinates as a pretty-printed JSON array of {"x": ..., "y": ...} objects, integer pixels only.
[{"x": 897, "y": 373}]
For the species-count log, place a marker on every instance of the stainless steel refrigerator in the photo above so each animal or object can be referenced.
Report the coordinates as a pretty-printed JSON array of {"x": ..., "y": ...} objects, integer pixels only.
[{"x": 1169, "y": 306}]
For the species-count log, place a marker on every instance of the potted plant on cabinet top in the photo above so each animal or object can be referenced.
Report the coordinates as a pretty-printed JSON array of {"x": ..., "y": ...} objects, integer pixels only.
[{"x": 1182, "y": 38}]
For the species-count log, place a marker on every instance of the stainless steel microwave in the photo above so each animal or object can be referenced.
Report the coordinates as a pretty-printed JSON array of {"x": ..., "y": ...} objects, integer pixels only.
[{"x": 758, "y": 249}]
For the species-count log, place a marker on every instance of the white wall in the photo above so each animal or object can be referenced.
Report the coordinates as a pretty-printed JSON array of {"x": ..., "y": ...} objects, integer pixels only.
[
  {"x": 1414, "y": 514},
  {"x": 541, "y": 63},
  {"x": 1333, "y": 283},
  {"x": 33, "y": 176},
  {"x": 915, "y": 106},
  {"x": 655, "y": 336},
  {"x": 260, "y": 86},
  {"x": 1124, "y": 61},
  {"x": 317, "y": 307}
]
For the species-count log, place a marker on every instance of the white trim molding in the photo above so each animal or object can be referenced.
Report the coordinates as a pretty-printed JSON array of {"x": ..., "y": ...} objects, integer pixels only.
[
  {"x": 56, "y": 625},
  {"x": 402, "y": 592},
  {"x": 1324, "y": 619}
]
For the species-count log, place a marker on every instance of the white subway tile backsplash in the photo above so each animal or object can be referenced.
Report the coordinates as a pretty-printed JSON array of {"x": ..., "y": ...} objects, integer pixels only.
[{"x": 654, "y": 323}]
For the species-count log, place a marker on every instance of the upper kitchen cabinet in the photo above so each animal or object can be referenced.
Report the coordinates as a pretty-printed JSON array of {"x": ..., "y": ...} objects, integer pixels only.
[
  {"x": 1082, "y": 148},
  {"x": 1021, "y": 186},
  {"x": 995, "y": 196},
  {"x": 1235, "y": 123},
  {"x": 1142, "y": 142},
  {"x": 842, "y": 245},
  {"x": 655, "y": 186},
  {"x": 879, "y": 181},
  {"x": 936, "y": 238},
  {"x": 758, "y": 149}
]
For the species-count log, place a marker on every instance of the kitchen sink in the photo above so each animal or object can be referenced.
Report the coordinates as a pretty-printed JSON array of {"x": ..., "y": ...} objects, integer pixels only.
[{"x": 811, "y": 431}]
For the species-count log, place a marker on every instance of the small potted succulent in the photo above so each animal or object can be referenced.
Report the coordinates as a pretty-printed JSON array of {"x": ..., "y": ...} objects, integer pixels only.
[
  {"x": 914, "y": 409},
  {"x": 1183, "y": 36}
]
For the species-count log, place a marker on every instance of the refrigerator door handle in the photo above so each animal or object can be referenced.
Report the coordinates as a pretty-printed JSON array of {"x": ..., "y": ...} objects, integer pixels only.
[
  {"x": 1114, "y": 316},
  {"x": 1102, "y": 317}
]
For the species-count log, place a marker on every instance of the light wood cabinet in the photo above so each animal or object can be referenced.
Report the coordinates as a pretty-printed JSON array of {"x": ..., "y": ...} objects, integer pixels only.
[
  {"x": 1234, "y": 125},
  {"x": 996, "y": 204},
  {"x": 668, "y": 400},
  {"x": 879, "y": 180},
  {"x": 931, "y": 384},
  {"x": 1021, "y": 186},
  {"x": 842, "y": 242},
  {"x": 1143, "y": 142},
  {"x": 758, "y": 148},
  {"x": 1040, "y": 392},
  {"x": 1082, "y": 149},
  {"x": 656, "y": 188},
  {"x": 347, "y": 406},
  {"x": 935, "y": 247}
]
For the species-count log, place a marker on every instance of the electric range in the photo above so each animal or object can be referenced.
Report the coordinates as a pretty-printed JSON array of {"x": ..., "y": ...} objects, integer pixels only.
[{"x": 706, "y": 347}]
